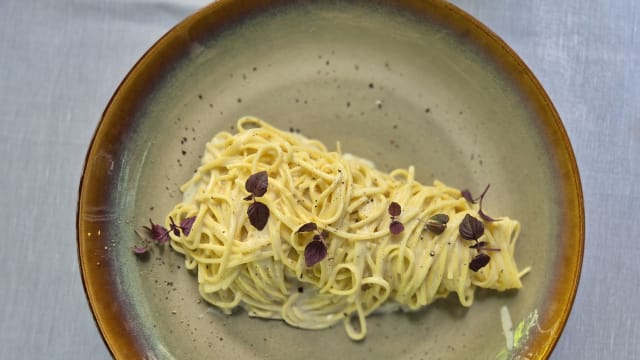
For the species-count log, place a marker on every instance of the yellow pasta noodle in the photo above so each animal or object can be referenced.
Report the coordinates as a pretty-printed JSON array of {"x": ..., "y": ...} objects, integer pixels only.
[{"x": 366, "y": 269}]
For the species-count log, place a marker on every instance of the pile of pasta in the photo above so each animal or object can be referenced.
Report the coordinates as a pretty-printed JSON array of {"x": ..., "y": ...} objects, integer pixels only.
[{"x": 366, "y": 269}]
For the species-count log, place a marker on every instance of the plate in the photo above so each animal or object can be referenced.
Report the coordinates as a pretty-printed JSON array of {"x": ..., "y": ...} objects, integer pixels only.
[{"x": 399, "y": 82}]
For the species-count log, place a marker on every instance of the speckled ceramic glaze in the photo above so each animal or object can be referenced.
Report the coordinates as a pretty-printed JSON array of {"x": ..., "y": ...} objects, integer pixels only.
[{"x": 399, "y": 82}]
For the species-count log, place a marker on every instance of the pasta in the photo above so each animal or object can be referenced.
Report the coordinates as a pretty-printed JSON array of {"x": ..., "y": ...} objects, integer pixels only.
[{"x": 367, "y": 268}]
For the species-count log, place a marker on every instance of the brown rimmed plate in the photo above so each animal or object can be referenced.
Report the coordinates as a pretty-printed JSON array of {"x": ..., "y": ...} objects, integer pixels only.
[{"x": 399, "y": 82}]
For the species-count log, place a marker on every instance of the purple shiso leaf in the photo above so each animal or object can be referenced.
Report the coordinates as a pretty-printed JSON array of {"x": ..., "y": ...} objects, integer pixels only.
[
  {"x": 479, "y": 261},
  {"x": 486, "y": 217},
  {"x": 314, "y": 252},
  {"x": 257, "y": 183},
  {"x": 394, "y": 209},
  {"x": 467, "y": 195},
  {"x": 471, "y": 228},
  {"x": 258, "y": 215},
  {"x": 186, "y": 225},
  {"x": 396, "y": 227},
  {"x": 310, "y": 226},
  {"x": 159, "y": 233},
  {"x": 140, "y": 249}
]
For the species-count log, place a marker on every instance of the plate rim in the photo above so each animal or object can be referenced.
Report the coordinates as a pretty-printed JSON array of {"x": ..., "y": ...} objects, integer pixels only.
[{"x": 223, "y": 12}]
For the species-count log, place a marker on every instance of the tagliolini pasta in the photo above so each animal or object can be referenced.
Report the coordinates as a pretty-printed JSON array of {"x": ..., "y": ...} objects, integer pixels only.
[{"x": 367, "y": 268}]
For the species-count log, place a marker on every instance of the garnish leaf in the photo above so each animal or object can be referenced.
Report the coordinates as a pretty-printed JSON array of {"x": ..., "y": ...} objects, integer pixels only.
[
  {"x": 482, "y": 214},
  {"x": 186, "y": 224},
  {"x": 478, "y": 245},
  {"x": 394, "y": 209},
  {"x": 140, "y": 249},
  {"x": 257, "y": 183},
  {"x": 471, "y": 228},
  {"x": 258, "y": 215},
  {"x": 396, "y": 227},
  {"x": 174, "y": 228},
  {"x": 159, "y": 233},
  {"x": 467, "y": 195},
  {"x": 484, "y": 192},
  {"x": 486, "y": 217},
  {"x": 437, "y": 223},
  {"x": 479, "y": 261},
  {"x": 435, "y": 227},
  {"x": 314, "y": 252},
  {"x": 441, "y": 218},
  {"x": 310, "y": 226}
]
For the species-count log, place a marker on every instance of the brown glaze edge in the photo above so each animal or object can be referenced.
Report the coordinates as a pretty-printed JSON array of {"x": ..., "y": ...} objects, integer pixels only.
[{"x": 111, "y": 320}]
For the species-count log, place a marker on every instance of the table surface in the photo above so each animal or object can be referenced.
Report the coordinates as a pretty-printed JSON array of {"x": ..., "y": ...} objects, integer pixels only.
[{"x": 62, "y": 60}]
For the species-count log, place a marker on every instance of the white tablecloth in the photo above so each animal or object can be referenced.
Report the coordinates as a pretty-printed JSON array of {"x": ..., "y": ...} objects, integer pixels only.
[{"x": 62, "y": 60}]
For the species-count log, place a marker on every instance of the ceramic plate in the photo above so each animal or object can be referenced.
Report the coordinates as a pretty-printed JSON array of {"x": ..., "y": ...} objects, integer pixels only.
[{"x": 399, "y": 82}]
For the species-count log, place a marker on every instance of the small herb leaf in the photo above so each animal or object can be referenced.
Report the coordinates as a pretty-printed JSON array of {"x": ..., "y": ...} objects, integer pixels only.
[
  {"x": 486, "y": 217},
  {"x": 396, "y": 227},
  {"x": 479, "y": 245},
  {"x": 484, "y": 191},
  {"x": 258, "y": 215},
  {"x": 394, "y": 209},
  {"x": 437, "y": 223},
  {"x": 159, "y": 233},
  {"x": 140, "y": 249},
  {"x": 435, "y": 227},
  {"x": 467, "y": 195},
  {"x": 441, "y": 218},
  {"x": 471, "y": 228},
  {"x": 314, "y": 252},
  {"x": 310, "y": 226},
  {"x": 479, "y": 261},
  {"x": 257, "y": 183},
  {"x": 173, "y": 227},
  {"x": 186, "y": 225}
]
